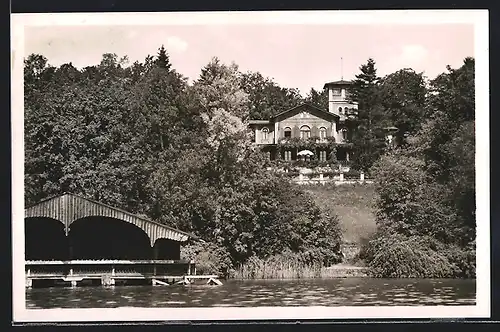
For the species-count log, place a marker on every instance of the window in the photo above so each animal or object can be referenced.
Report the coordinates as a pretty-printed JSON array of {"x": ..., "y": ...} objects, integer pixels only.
[
  {"x": 340, "y": 110},
  {"x": 344, "y": 134},
  {"x": 288, "y": 132},
  {"x": 322, "y": 156},
  {"x": 288, "y": 155},
  {"x": 336, "y": 92},
  {"x": 322, "y": 133},
  {"x": 265, "y": 134},
  {"x": 305, "y": 132}
]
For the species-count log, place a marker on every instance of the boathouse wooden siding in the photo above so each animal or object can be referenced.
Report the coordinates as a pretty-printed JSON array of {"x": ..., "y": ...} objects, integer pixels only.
[{"x": 68, "y": 208}]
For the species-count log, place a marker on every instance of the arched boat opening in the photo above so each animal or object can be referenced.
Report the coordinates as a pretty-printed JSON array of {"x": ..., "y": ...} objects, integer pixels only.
[
  {"x": 167, "y": 249},
  {"x": 45, "y": 239},
  {"x": 93, "y": 238}
]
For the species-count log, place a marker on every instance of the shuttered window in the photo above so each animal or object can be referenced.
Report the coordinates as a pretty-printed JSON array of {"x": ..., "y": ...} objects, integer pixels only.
[
  {"x": 305, "y": 132},
  {"x": 265, "y": 134},
  {"x": 322, "y": 155},
  {"x": 322, "y": 133}
]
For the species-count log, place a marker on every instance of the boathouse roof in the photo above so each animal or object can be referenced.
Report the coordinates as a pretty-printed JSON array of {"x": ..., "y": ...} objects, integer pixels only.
[{"x": 70, "y": 207}]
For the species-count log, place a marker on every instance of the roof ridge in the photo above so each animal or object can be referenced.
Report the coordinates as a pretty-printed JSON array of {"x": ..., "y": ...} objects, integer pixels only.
[
  {"x": 305, "y": 104},
  {"x": 114, "y": 208}
]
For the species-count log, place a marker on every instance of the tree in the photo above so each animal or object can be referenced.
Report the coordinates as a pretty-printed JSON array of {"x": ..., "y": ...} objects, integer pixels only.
[
  {"x": 409, "y": 201},
  {"x": 426, "y": 205},
  {"x": 225, "y": 113},
  {"x": 78, "y": 138},
  {"x": 44, "y": 126},
  {"x": 156, "y": 99},
  {"x": 369, "y": 137},
  {"x": 266, "y": 97},
  {"x": 403, "y": 97},
  {"x": 318, "y": 98},
  {"x": 162, "y": 59},
  {"x": 35, "y": 65},
  {"x": 220, "y": 87}
]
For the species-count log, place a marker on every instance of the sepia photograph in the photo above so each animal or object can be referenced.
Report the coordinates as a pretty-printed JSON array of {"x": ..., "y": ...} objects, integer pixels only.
[{"x": 210, "y": 166}]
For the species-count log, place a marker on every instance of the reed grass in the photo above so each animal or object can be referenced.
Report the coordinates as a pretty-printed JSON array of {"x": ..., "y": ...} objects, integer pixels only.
[{"x": 284, "y": 268}]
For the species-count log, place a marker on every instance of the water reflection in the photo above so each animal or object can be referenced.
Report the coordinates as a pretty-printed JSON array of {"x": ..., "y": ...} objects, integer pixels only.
[{"x": 332, "y": 292}]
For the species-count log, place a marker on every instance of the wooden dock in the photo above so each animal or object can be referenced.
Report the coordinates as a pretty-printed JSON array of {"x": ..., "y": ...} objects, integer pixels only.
[{"x": 109, "y": 272}]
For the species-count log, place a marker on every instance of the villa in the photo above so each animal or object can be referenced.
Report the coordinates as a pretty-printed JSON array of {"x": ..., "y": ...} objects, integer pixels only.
[{"x": 309, "y": 133}]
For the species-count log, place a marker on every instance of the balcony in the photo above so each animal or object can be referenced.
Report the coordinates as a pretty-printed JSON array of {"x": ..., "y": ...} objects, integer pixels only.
[
  {"x": 266, "y": 141},
  {"x": 311, "y": 142}
]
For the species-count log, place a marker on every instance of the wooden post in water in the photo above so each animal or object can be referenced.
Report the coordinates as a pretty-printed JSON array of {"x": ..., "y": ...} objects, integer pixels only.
[
  {"x": 155, "y": 257},
  {"x": 70, "y": 244},
  {"x": 106, "y": 280}
]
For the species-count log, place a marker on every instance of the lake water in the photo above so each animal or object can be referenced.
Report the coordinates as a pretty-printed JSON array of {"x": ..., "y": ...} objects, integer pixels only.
[{"x": 315, "y": 292}]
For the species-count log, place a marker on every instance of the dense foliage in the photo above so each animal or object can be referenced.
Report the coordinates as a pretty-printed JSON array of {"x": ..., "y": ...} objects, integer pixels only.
[
  {"x": 426, "y": 189},
  {"x": 318, "y": 98},
  {"x": 266, "y": 97},
  {"x": 394, "y": 104},
  {"x": 140, "y": 138}
]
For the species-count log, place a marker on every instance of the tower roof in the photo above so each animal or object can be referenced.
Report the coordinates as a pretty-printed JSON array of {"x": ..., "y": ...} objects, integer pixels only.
[{"x": 338, "y": 83}]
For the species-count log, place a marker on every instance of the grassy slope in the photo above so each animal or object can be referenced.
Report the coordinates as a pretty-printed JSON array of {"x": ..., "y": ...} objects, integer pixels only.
[{"x": 353, "y": 205}]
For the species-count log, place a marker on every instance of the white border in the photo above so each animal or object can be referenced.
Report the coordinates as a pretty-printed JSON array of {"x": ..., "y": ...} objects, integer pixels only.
[{"x": 479, "y": 18}]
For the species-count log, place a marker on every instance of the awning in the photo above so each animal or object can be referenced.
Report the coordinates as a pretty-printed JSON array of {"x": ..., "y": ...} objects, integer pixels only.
[{"x": 305, "y": 153}]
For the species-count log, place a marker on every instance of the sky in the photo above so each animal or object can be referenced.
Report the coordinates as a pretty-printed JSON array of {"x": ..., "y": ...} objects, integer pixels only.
[{"x": 298, "y": 56}]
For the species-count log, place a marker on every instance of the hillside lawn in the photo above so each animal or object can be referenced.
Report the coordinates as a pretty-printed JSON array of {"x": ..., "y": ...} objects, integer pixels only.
[{"x": 353, "y": 204}]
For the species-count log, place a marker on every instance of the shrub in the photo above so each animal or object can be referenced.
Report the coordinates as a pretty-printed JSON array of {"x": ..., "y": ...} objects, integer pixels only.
[
  {"x": 352, "y": 174},
  {"x": 463, "y": 260},
  {"x": 397, "y": 256},
  {"x": 392, "y": 255},
  {"x": 209, "y": 258},
  {"x": 411, "y": 203}
]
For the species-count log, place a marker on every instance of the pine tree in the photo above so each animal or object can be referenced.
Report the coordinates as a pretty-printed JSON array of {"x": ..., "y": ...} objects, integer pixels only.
[
  {"x": 369, "y": 137},
  {"x": 162, "y": 59}
]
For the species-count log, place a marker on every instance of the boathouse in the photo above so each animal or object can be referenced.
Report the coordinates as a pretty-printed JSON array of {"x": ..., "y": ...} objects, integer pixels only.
[{"x": 74, "y": 239}]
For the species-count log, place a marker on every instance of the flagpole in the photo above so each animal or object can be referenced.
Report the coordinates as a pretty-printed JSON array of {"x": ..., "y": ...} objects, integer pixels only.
[{"x": 341, "y": 69}]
